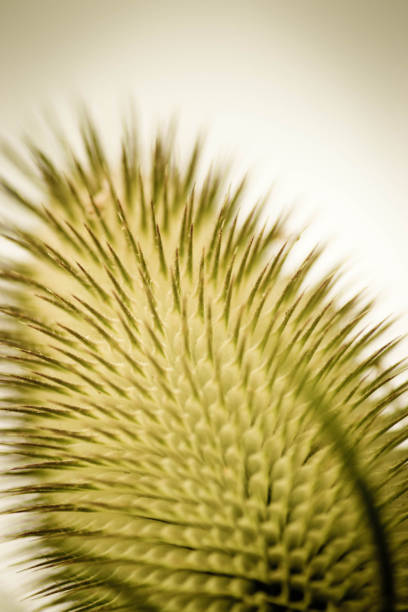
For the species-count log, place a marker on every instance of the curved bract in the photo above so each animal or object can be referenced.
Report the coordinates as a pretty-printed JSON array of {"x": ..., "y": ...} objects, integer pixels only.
[{"x": 195, "y": 427}]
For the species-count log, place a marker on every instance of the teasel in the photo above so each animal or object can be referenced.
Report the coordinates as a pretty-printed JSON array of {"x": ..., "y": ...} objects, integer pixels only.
[{"x": 196, "y": 425}]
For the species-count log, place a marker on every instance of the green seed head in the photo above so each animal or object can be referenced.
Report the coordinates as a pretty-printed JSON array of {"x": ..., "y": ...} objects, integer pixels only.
[{"x": 195, "y": 428}]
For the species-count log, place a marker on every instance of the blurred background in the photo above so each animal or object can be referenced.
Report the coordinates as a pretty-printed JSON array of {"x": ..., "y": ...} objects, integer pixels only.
[{"x": 310, "y": 96}]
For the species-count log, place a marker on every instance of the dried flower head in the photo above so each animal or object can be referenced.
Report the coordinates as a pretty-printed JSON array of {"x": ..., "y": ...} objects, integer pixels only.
[{"x": 195, "y": 428}]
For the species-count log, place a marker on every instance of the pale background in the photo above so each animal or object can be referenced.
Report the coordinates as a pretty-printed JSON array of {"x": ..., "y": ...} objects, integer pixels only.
[{"x": 309, "y": 94}]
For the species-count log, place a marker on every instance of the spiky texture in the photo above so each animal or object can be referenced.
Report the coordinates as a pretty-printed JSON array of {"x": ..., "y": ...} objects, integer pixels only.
[{"x": 195, "y": 428}]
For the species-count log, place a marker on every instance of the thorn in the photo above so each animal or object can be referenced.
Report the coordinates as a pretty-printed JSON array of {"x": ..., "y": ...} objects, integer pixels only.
[
  {"x": 98, "y": 315},
  {"x": 92, "y": 282},
  {"x": 117, "y": 286},
  {"x": 190, "y": 379},
  {"x": 237, "y": 328},
  {"x": 79, "y": 337},
  {"x": 182, "y": 237},
  {"x": 124, "y": 223},
  {"x": 176, "y": 291},
  {"x": 256, "y": 287},
  {"x": 215, "y": 268},
  {"x": 156, "y": 341},
  {"x": 186, "y": 331},
  {"x": 98, "y": 245},
  {"x": 143, "y": 269},
  {"x": 120, "y": 266},
  {"x": 209, "y": 332},
  {"x": 201, "y": 283},
  {"x": 228, "y": 301},
  {"x": 258, "y": 311},
  {"x": 228, "y": 246},
  {"x": 163, "y": 265},
  {"x": 83, "y": 242},
  {"x": 190, "y": 253},
  {"x": 142, "y": 202},
  {"x": 165, "y": 205},
  {"x": 153, "y": 218}
]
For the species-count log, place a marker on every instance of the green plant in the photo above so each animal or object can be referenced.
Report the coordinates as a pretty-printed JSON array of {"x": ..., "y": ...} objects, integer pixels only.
[{"x": 196, "y": 428}]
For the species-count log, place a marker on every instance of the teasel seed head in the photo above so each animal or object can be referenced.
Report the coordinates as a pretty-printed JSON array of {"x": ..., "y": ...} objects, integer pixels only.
[{"x": 195, "y": 426}]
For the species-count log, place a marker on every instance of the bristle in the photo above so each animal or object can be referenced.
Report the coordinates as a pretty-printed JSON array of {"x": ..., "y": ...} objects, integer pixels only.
[{"x": 197, "y": 425}]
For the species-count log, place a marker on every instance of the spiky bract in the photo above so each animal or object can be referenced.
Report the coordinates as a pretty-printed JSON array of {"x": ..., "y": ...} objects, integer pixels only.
[{"x": 195, "y": 428}]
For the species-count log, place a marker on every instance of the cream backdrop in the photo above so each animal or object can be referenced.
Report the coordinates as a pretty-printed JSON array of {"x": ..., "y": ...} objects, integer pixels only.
[{"x": 310, "y": 95}]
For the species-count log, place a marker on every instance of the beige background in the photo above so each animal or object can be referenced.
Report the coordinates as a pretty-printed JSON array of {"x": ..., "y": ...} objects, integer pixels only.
[{"x": 311, "y": 94}]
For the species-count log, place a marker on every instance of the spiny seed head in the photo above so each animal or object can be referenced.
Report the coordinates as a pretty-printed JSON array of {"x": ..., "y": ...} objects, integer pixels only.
[{"x": 194, "y": 427}]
